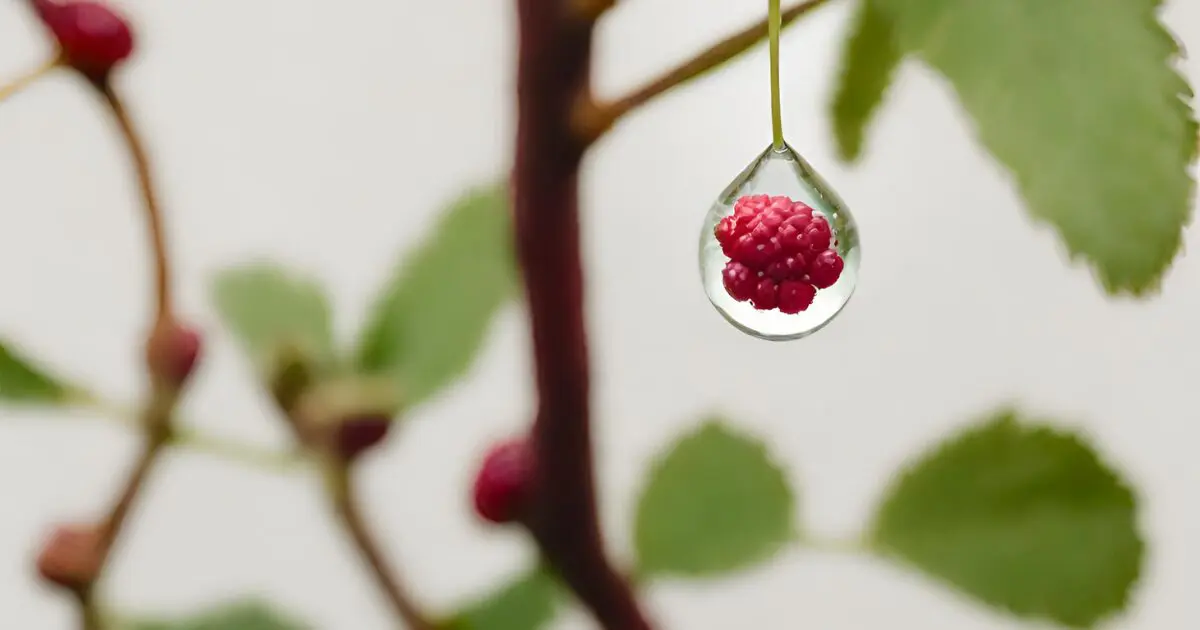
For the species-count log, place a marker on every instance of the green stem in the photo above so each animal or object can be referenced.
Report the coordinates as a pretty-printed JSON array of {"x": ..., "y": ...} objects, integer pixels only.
[
  {"x": 183, "y": 436},
  {"x": 774, "y": 22}
]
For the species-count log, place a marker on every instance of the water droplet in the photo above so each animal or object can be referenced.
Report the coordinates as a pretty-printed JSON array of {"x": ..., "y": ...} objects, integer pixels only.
[{"x": 779, "y": 250}]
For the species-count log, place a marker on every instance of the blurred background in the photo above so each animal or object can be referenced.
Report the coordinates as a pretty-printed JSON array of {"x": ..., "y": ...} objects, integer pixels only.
[{"x": 328, "y": 134}]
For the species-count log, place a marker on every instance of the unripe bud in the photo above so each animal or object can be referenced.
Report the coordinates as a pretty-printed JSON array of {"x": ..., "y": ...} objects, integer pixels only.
[
  {"x": 172, "y": 352},
  {"x": 349, "y": 416},
  {"x": 504, "y": 480},
  {"x": 93, "y": 37},
  {"x": 71, "y": 557}
]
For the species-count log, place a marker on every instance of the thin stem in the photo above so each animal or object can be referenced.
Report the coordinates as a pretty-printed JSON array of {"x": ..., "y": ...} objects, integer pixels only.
[
  {"x": 89, "y": 613},
  {"x": 592, "y": 120},
  {"x": 155, "y": 416},
  {"x": 773, "y": 25},
  {"x": 29, "y": 78},
  {"x": 154, "y": 220},
  {"x": 346, "y": 504},
  {"x": 119, "y": 512},
  {"x": 184, "y": 436}
]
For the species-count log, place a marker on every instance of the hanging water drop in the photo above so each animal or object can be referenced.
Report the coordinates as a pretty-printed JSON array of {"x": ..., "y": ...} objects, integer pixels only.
[{"x": 779, "y": 250}]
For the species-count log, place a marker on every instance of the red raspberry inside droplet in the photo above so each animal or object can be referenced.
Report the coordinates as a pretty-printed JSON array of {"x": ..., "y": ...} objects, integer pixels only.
[{"x": 781, "y": 253}]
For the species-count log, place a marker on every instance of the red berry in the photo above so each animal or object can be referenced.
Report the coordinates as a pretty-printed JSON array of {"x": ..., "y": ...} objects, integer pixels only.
[
  {"x": 71, "y": 557},
  {"x": 172, "y": 352},
  {"x": 358, "y": 434},
  {"x": 724, "y": 231},
  {"x": 817, "y": 235},
  {"x": 795, "y": 296},
  {"x": 825, "y": 269},
  {"x": 503, "y": 481},
  {"x": 765, "y": 297},
  {"x": 788, "y": 267},
  {"x": 750, "y": 205},
  {"x": 739, "y": 281},
  {"x": 799, "y": 207},
  {"x": 93, "y": 37}
]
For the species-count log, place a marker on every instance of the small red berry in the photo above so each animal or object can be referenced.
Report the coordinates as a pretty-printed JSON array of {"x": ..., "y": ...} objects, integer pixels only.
[
  {"x": 71, "y": 557},
  {"x": 358, "y": 434},
  {"x": 739, "y": 281},
  {"x": 795, "y": 296},
  {"x": 724, "y": 231},
  {"x": 750, "y": 205},
  {"x": 817, "y": 235},
  {"x": 94, "y": 38},
  {"x": 787, "y": 268},
  {"x": 825, "y": 269},
  {"x": 172, "y": 353},
  {"x": 765, "y": 295},
  {"x": 503, "y": 481}
]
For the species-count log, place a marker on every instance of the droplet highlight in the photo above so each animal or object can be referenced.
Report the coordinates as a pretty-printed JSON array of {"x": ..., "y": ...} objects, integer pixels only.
[{"x": 779, "y": 250}]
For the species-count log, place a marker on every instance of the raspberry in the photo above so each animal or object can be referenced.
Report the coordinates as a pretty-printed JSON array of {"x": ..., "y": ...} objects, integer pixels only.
[
  {"x": 795, "y": 296},
  {"x": 172, "y": 352},
  {"x": 750, "y": 205},
  {"x": 71, "y": 557},
  {"x": 93, "y": 37},
  {"x": 825, "y": 269},
  {"x": 817, "y": 235},
  {"x": 765, "y": 294},
  {"x": 790, "y": 267},
  {"x": 503, "y": 481},
  {"x": 739, "y": 281},
  {"x": 779, "y": 253}
]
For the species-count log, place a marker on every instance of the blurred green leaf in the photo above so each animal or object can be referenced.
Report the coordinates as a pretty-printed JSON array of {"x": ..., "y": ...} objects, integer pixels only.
[
  {"x": 23, "y": 381},
  {"x": 528, "y": 603},
  {"x": 242, "y": 615},
  {"x": 869, "y": 59},
  {"x": 271, "y": 310},
  {"x": 1085, "y": 106},
  {"x": 1021, "y": 517},
  {"x": 433, "y": 315},
  {"x": 714, "y": 503}
]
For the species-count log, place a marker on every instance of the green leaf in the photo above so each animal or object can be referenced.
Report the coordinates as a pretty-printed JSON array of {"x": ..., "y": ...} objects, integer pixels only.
[
  {"x": 715, "y": 503},
  {"x": 869, "y": 60},
  {"x": 1021, "y": 517},
  {"x": 242, "y": 615},
  {"x": 433, "y": 315},
  {"x": 1082, "y": 102},
  {"x": 271, "y": 310},
  {"x": 24, "y": 382},
  {"x": 527, "y": 603}
]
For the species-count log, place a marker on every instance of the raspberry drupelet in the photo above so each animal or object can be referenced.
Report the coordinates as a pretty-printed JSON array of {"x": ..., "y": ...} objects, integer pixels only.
[{"x": 780, "y": 253}]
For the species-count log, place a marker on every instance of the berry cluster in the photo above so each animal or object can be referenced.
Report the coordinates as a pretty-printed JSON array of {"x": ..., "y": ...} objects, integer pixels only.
[{"x": 780, "y": 253}]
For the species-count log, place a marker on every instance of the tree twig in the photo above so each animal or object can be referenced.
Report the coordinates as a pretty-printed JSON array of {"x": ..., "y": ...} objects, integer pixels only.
[
  {"x": 153, "y": 213},
  {"x": 346, "y": 505},
  {"x": 593, "y": 119},
  {"x": 554, "y": 61},
  {"x": 155, "y": 415},
  {"x": 19, "y": 84}
]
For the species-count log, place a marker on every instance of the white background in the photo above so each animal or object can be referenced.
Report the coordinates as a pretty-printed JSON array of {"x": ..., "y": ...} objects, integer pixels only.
[{"x": 325, "y": 134}]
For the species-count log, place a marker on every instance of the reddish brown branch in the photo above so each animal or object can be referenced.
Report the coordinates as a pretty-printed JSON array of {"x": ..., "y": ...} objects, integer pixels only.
[
  {"x": 593, "y": 119},
  {"x": 554, "y": 64},
  {"x": 153, "y": 213}
]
